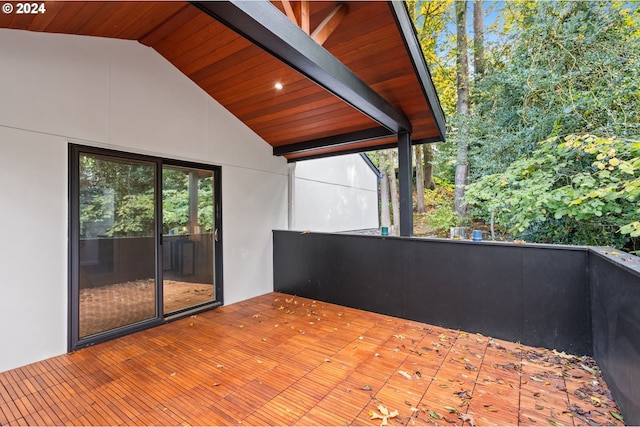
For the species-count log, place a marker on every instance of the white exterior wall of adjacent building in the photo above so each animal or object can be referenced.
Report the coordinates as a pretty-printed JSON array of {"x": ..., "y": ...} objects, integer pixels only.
[
  {"x": 59, "y": 89},
  {"x": 334, "y": 194}
]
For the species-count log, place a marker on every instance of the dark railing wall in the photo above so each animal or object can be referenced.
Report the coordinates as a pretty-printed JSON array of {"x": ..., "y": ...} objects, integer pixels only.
[
  {"x": 585, "y": 301},
  {"x": 615, "y": 295},
  {"x": 527, "y": 293}
]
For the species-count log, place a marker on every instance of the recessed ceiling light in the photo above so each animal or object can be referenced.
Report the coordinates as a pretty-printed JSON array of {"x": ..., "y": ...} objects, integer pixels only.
[{"x": 278, "y": 86}]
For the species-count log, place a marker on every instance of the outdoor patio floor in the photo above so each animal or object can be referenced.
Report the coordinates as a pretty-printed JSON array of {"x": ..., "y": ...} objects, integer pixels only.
[{"x": 284, "y": 360}]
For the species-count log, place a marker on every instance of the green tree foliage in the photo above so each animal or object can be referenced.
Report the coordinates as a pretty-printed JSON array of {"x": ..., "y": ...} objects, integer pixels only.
[
  {"x": 116, "y": 198},
  {"x": 565, "y": 67},
  {"x": 580, "y": 189}
]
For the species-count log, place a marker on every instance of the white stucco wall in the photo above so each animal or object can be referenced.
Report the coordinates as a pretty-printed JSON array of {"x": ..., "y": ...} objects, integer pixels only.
[
  {"x": 334, "y": 194},
  {"x": 56, "y": 89}
]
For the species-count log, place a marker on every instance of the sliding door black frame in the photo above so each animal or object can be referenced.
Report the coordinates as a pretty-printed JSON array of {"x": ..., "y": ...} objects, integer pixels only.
[{"x": 75, "y": 151}]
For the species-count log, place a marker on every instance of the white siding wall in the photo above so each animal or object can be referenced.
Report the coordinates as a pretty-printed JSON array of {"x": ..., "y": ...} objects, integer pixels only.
[
  {"x": 56, "y": 89},
  {"x": 335, "y": 194}
]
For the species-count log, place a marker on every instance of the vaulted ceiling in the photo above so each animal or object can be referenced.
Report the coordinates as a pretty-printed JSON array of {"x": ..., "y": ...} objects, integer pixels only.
[{"x": 312, "y": 78}]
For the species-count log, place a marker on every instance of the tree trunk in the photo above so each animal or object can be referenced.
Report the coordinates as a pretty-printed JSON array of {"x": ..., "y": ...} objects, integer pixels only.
[
  {"x": 429, "y": 183},
  {"x": 478, "y": 38},
  {"x": 385, "y": 217},
  {"x": 462, "y": 108},
  {"x": 419, "y": 180},
  {"x": 393, "y": 189}
]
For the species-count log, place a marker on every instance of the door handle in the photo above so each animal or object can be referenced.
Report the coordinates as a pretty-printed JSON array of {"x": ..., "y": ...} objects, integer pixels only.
[{"x": 215, "y": 235}]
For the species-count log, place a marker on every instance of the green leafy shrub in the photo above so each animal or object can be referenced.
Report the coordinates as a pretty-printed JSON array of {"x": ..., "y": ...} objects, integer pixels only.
[{"x": 581, "y": 189}]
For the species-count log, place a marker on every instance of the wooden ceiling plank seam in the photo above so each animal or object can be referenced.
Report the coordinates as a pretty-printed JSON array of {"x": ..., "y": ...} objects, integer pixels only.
[
  {"x": 303, "y": 126},
  {"x": 244, "y": 103},
  {"x": 21, "y": 20},
  {"x": 320, "y": 103},
  {"x": 309, "y": 119},
  {"x": 153, "y": 15},
  {"x": 334, "y": 141},
  {"x": 181, "y": 38},
  {"x": 216, "y": 72},
  {"x": 113, "y": 24},
  {"x": 196, "y": 58},
  {"x": 169, "y": 25},
  {"x": 305, "y": 134},
  {"x": 329, "y": 24},
  {"x": 262, "y": 103},
  {"x": 314, "y": 117},
  {"x": 102, "y": 15},
  {"x": 410, "y": 39},
  {"x": 43, "y": 21},
  {"x": 66, "y": 15},
  {"x": 265, "y": 25},
  {"x": 84, "y": 16},
  {"x": 131, "y": 30},
  {"x": 251, "y": 68}
]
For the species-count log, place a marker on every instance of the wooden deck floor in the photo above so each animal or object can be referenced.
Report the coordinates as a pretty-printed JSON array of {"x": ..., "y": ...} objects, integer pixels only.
[{"x": 284, "y": 360}]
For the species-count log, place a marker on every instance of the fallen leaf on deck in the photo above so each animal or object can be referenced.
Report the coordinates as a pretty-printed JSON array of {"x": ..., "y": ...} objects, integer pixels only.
[
  {"x": 327, "y": 360},
  {"x": 366, "y": 388},
  {"x": 553, "y": 423},
  {"x": 384, "y": 415},
  {"x": 219, "y": 366},
  {"x": 596, "y": 401},
  {"x": 467, "y": 418},
  {"x": 433, "y": 414},
  {"x": 406, "y": 375},
  {"x": 617, "y": 415},
  {"x": 464, "y": 394},
  {"x": 452, "y": 409}
]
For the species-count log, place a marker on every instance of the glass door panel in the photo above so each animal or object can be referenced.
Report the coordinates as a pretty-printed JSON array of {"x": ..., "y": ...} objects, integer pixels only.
[
  {"x": 188, "y": 228},
  {"x": 117, "y": 243}
]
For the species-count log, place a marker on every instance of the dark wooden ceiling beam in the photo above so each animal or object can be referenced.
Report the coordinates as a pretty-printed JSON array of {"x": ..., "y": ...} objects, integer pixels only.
[
  {"x": 329, "y": 24},
  {"x": 332, "y": 141},
  {"x": 263, "y": 24}
]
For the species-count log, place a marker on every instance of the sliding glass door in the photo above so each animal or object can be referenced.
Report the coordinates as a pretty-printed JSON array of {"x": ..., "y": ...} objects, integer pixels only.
[
  {"x": 188, "y": 234},
  {"x": 144, "y": 242}
]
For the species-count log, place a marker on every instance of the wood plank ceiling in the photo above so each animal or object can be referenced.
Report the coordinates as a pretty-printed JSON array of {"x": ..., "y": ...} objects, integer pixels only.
[{"x": 300, "y": 120}]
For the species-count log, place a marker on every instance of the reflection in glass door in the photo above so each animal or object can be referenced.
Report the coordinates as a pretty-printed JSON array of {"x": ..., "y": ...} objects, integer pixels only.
[
  {"x": 188, "y": 228},
  {"x": 116, "y": 271},
  {"x": 145, "y": 242}
]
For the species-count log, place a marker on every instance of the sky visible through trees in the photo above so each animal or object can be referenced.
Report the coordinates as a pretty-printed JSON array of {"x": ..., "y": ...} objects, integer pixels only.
[{"x": 561, "y": 85}]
